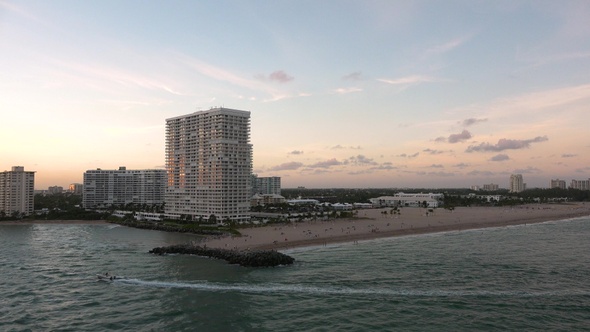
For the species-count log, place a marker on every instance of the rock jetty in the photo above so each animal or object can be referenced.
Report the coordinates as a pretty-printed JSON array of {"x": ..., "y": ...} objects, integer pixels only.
[{"x": 254, "y": 258}]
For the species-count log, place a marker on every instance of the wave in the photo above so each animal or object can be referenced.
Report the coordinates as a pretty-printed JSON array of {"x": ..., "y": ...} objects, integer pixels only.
[{"x": 322, "y": 290}]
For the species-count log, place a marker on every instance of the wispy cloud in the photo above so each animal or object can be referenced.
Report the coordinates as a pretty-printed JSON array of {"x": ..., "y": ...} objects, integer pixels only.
[
  {"x": 117, "y": 76},
  {"x": 481, "y": 173},
  {"x": 447, "y": 46},
  {"x": 344, "y": 91},
  {"x": 296, "y": 152},
  {"x": 290, "y": 166},
  {"x": 361, "y": 160},
  {"x": 471, "y": 121},
  {"x": 405, "y": 155},
  {"x": 528, "y": 170},
  {"x": 276, "y": 76},
  {"x": 326, "y": 164},
  {"x": 19, "y": 10},
  {"x": 455, "y": 138},
  {"x": 409, "y": 80},
  {"x": 356, "y": 76},
  {"x": 220, "y": 74},
  {"x": 433, "y": 151},
  {"x": 500, "y": 157},
  {"x": 340, "y": 147},
  {"x": 568, "y": 155},
  {"x": 506, "y": 144}
]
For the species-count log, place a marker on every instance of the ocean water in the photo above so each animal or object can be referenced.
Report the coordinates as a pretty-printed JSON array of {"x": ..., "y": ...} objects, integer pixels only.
[{"x": 534, "y": 277}]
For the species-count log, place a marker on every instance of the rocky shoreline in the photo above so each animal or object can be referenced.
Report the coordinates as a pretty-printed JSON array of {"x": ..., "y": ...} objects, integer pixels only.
[{"x": 254, "y": 258}]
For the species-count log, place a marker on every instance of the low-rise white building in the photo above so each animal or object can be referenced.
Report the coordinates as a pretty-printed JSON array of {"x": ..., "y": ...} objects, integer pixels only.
[
  {"x": 412, "y": 200},
  {"x": 302, "y": 201},
  {"x": 263, "y": 199}
]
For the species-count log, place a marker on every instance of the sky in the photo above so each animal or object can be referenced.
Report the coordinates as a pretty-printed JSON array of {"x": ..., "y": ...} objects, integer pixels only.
[{"x": 342, "y": 94}]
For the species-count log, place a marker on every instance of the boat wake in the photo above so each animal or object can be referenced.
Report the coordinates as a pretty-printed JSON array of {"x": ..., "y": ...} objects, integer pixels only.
[{"x": 323, "y": 290}]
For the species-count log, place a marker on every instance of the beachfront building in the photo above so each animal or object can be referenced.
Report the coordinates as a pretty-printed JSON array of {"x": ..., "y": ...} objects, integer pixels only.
[
  {"x": 105, "y": 188},
  {"x": 209, "y": 165},
  {"x": 411, "y": 200},
  {"x": 516, "y": 183},
  {"x": 557, "y": 183},
  {"x": 264, "y": 199},
  {"x": 303, "y": 201},
  {"x": 266, "y": 185},
  {"x": 580, "y": 184},
  {"x": 17, "y": 188}
]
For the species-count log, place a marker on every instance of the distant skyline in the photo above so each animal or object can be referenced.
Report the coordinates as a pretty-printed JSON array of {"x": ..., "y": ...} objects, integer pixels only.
[{"x": 428, "y": 94}]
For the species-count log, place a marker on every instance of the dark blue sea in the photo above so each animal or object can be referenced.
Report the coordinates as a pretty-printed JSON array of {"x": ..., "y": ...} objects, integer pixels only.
[{"x": 534, "y": 277}]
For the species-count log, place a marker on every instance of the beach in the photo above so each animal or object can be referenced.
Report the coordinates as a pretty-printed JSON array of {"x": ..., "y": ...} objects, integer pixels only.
[
  {"x": 371, "y": 224},
  {"x": 380, "y": 223}
]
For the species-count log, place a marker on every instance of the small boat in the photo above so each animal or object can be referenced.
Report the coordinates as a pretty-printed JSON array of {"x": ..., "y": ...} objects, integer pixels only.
[{"x": 107, "y": 277}]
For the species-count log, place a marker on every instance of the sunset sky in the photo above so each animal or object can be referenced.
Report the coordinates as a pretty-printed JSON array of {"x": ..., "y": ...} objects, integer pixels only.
[{"x": 341, "y": 93}]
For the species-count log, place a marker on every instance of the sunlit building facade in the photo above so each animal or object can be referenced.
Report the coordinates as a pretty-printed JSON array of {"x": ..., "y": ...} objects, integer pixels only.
[
  {"x": 209, "y": 165},
  {"x": 17, "y": 191},
  {"x": 106, "y": 188}
]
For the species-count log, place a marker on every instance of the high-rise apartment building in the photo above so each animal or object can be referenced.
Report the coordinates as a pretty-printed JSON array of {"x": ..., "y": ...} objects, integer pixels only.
[
  {"x": 557, "y": 183},
  {"x": 490, "y": 187},
  {"x": 266, "y": 185},
  {"x": 103, "y": 188},
  {"x": 580, "y": 184},
  {"x": 209, "y": 165},
  {"x": 516, "y": 183},
  {"x": 17, "y": 191}
]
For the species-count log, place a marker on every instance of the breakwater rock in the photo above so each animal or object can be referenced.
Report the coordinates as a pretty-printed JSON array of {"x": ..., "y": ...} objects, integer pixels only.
[{"x": 250, "y": 258}]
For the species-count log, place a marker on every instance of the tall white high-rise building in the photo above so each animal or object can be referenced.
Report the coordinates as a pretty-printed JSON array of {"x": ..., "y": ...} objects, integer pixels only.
[
  {"x": 17, "y": 191},
  {"x": 209, "y": 165},
  {"x": 104, "y": 188},
  {"x": 516, "y": 183}
]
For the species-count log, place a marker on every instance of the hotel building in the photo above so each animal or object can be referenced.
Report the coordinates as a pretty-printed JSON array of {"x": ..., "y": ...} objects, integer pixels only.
[
  {"x": 209, "y": 165},
  {"x": 17, "y": 191},
  {"x": 105, "y": 188}
]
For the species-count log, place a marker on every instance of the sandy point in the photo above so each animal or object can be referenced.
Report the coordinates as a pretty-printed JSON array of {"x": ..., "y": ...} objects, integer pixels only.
[{"x": 379, "y": 223}]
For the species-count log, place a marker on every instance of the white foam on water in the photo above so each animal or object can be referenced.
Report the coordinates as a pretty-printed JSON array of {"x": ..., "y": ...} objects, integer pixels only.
[{"x": 323, "y": 290}]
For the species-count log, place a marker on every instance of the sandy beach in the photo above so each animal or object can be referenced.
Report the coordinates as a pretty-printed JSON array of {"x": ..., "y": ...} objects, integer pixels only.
[{"x": 373, "y": 223}]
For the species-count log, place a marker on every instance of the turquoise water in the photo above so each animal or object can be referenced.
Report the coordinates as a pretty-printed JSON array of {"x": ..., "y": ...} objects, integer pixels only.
[{"x": 531, "y": 277}]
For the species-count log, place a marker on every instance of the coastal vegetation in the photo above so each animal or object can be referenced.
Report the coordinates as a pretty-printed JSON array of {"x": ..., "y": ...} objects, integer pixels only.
[{"x": 453, "y": 196}]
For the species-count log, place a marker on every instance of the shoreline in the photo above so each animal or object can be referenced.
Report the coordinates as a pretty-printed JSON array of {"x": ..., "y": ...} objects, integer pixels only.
[
  {"x": 53, "y": 222},
  {"x": 373, "y": 224}
]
